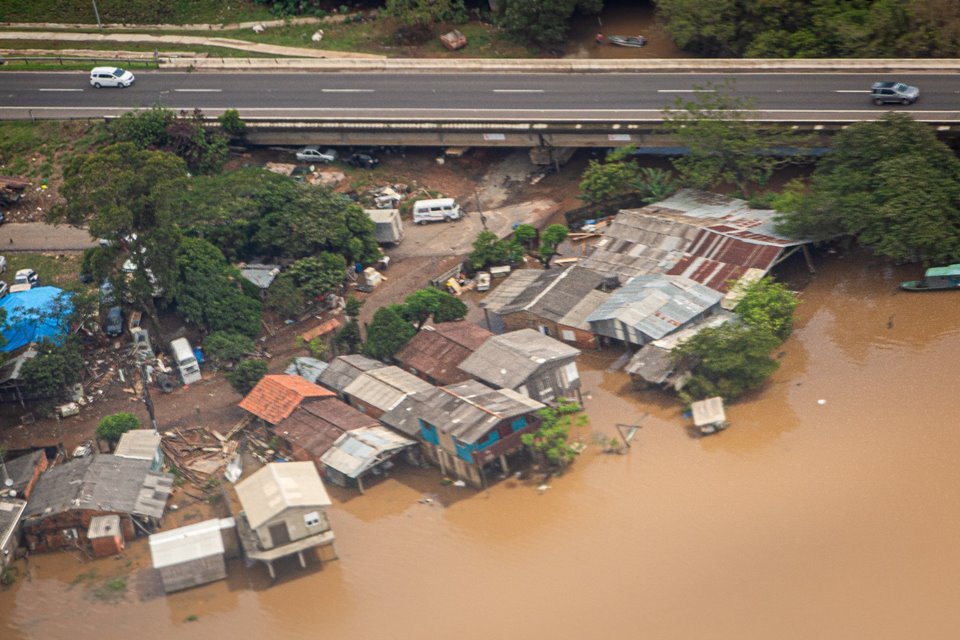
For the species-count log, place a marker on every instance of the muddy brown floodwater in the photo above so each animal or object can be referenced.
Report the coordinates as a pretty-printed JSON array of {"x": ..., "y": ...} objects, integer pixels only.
[{"x": 804, "y": 520}]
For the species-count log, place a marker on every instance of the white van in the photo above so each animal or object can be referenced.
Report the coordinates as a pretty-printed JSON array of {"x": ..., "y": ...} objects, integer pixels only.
[
  {"x": 440, "y": 210},
  {"x": 110, "y": 77},
  {"x": 185, "y": 360}
]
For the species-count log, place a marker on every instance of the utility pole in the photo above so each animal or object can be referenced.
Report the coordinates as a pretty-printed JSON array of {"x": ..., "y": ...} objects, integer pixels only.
[
  {"x": 147, "y": 401},
  {"x": 97, "y": 13}
]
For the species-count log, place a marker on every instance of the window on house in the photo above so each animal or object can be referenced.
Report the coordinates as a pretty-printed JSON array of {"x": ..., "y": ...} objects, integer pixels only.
[
  {"x": 429, "y": 432},
  {"x": 70, "y": 534},
  {"x": 570, "y": 371},
  {"x": 312, "y": 519},
  {"x": 464, "y": 450},
  {"x": 568, "y": 335},
  {"x": 519, "y": 423}
]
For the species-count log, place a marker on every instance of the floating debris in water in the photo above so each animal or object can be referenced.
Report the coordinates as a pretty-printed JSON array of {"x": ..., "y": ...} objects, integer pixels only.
[{"x": 821, "y": 402}]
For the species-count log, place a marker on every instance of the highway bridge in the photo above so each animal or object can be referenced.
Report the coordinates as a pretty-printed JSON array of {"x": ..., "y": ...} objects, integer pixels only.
[{"x": 479, "y": 108}]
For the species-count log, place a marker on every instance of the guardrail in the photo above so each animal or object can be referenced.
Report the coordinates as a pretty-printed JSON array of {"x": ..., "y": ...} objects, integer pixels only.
[{"x": 153, "y": 61}]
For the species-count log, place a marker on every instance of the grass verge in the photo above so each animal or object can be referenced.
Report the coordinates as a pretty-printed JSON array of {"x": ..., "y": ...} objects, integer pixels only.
[{"x": 53, "y": 269}]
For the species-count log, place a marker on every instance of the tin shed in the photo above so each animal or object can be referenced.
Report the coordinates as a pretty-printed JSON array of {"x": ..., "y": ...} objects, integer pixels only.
[{"x": 192, "y": 555}]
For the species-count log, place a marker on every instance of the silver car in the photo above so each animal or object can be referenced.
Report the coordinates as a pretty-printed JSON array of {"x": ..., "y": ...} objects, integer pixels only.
[
  {"x": 893, "y": 92},
  {"x": 313, "y": 154}
]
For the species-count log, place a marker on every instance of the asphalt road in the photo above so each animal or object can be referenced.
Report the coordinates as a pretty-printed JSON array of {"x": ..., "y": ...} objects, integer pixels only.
[{"x": 487, "y": 97}]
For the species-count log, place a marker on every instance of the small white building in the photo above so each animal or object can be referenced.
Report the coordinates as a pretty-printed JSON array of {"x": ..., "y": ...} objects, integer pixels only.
[
  {"x": 192, "y": 555},
  {"x": 141, "y": 444}
]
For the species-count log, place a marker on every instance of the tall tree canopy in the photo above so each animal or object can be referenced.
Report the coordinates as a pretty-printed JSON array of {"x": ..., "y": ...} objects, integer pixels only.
[
  {"x": 890, "y": 184},
  {"x": 544, "y": 22},
  {"x": 814, "y": 28}
]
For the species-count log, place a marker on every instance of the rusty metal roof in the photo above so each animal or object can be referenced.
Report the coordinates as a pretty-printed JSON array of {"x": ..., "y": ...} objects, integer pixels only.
[
  {"x": 438, "y": 350},
  {"x": 385, "y": 388}
]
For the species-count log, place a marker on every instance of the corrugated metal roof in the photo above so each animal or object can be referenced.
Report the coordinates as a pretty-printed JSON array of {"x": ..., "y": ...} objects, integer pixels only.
[
  {"x": 356, "y": 452},
  {"x": 508, "y": 360},
  {"x": 316, "y": 424},
  {"x": 139, "y": 444},
  {"x": 261, "y": 275},
  {"x": 344, "y": 369},
  {"x": 577, "y": 316},
  {"x": 438, "y": 350},
  {"x": 11, "y": 509},
  {"x": 385, "y": 388},
  {"x": 709, "y": 238},
  {"x": 467, "y": 410},
  {"x": 655, "y": 305},
  {"x": 101, "y": 483},
  {"x": 307, "y": 368},
  {"x": 708, "y": 411},
  {"x": 21, "y": 469},
  {"x": 191, "y": 542},
  {"x": 279, "y": 486},
  {"x": 507, "y": 291},
  {"x": 653, "y": 361}
]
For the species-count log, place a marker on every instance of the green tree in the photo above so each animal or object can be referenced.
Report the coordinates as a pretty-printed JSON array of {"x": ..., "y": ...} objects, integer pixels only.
[
  {"x": 730, "y": 360},
  {"x": 550, "y": 239},
  {"x": 544, "y": 22},
  {"x": 525, "y": 235},
  {"x": 725, "y": 147},
  {"x": 699, "y": 26},
  {"x": 318, "y": 275},
  {"x": 246, "y": 375},
  {"x": 115, "y": 425},
  {"x": 204, "y": 150},
  {"x": 210, "y": 294},
  {"x": 616, "y": 176},
  {"x": 123, "y": 193},
  {"x": 231, "y": 123},
  {"x": 421, "y": 13},
  {"x": 285, "y": 297},
  {"x": 420, "y": 305},
  {"x": 891, "y": 185},
  {"x": 654, "y": 184},
  {"x": 347, "y": 339},
  {"x": 551, "y": 441},
  {"x": 223, "y": 347},
  {"x": 388, "y": 332},
  {"x": 489, "y": 250},
  {"x": 54, "y": 370},
  {"x": 146, "y": 129},
  {"x": 352, "y": 306},
  {"x": 768, "y": 306}
]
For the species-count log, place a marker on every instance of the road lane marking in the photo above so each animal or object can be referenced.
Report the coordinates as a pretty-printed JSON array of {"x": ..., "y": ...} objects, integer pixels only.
[
  {"x": 518, "y": 90},
  {"x": 347, "y": 90},
  {"x": 198, "y": 90},
  {"x": 851, "y": 91},
  {"x": 686, "y": 90},
  {"x": 59, "y": 89}
]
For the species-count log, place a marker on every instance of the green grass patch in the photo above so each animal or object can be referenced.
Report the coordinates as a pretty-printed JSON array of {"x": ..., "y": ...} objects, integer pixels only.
[
  {"x": 53, "y": 269},
  {"x": 36, "y": 150},
  {"x": 112, "y": 590},
  {"x": 86, "y": 576},
  {"x": 134, "y": 11}
]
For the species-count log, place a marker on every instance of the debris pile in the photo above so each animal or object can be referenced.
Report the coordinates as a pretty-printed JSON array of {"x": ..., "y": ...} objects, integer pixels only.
[{"x": 197, "y": 453}]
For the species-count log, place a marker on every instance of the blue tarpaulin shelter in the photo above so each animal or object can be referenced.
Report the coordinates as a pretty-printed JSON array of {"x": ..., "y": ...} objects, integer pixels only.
[{"x": 33, "y": 315}]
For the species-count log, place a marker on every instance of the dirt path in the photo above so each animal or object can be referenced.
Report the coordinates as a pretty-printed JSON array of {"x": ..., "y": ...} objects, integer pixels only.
[{"x": 37, "y": 236}]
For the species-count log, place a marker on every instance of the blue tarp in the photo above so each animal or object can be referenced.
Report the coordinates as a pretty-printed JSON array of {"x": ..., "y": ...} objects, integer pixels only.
[{"x": 33, "y": 315}]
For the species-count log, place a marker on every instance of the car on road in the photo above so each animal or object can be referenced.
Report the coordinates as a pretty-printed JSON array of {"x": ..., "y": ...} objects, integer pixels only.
[
  {"x": 113, "y": 326},
  {"x": 363, "y": 161},
  {"x": 110, "y": 77},
  {"x": 4, "y": 288},
  {"x": 26, "y": 276},
  {"x": 314, "y": 154},
  {"x": 893, "y": 92}
]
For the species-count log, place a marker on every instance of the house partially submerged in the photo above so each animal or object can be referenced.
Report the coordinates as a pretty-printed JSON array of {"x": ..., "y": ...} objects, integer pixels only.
[
  {"x": 436, "y": 351},
  {"x": 529, "y": 362},
  {"x": 284, "y": 513},
  {"x": 555, "y": 302},
  {"x": 316, "y": 424},
  {"x": 141, "y": 444},
  {"x": 653, "y": 306},
  {"x": 345, "y": 369},
  {"x": 67, "y": 497},
  {"x": 467, "y": 427},
  {"x": 195, "y": 554},
  {"x": 363, "y": 452},
  {"x": 11, "y": 512},
  {"x": 654, "y": 366},
  {"x": 377, "y": 391},
  {"x": 709, "y": 238},
  {"x": 277, "y": 396},
  {"x": 23, "y": 472}
]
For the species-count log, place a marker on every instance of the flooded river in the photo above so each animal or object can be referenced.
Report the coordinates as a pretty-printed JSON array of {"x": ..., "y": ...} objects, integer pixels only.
[{"x": 804, "y": 520}]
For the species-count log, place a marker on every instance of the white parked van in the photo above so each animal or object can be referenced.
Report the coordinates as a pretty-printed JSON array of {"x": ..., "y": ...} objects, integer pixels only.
[
  {"x": 440, "y": 210},
  {"x": 185, "y": 360}
]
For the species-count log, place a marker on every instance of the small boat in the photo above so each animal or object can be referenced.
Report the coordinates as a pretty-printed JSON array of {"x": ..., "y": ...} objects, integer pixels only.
[
  {"x": 935, "y": 279},
  {"x": 627, "y": 41}
]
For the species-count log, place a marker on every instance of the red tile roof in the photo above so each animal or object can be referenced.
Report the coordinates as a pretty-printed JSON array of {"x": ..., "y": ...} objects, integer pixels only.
[{"x": 276, "y": 396}]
